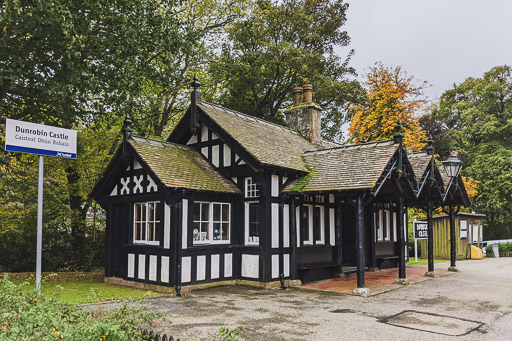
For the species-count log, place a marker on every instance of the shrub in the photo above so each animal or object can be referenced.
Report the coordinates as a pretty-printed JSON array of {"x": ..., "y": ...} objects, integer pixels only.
[
  {"x": 503, "y": 247},
  {"x": 25, "y": 316}
]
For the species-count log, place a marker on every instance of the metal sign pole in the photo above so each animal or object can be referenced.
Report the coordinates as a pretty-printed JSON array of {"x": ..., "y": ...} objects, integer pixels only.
[
  {"x": 39, "y": 224},
  {"x": 416, "y": 250},
  {"x": 415, "y": 241}
]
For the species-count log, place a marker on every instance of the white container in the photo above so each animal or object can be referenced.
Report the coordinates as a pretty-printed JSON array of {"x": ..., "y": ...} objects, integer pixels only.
[{"x": 495, "y": 250}]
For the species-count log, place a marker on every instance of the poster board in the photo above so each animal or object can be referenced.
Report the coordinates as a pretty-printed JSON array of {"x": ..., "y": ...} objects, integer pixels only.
[{"x": 463, "y": 231}]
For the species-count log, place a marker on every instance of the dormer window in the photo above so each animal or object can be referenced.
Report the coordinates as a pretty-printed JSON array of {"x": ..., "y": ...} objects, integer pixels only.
[{"x": 251, "y": 188}]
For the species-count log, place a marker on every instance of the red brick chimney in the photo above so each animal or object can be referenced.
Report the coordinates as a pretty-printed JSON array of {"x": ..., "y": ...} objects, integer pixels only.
[{"x": 304, "y": 116}]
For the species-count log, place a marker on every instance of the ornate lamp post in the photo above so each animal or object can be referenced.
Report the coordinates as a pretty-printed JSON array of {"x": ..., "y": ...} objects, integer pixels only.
[{"x": 452, "y": 167}]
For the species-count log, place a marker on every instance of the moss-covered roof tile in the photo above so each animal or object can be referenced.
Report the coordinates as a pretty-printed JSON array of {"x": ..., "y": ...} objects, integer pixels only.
[
  {"x": 181, "y": 166},
  {"x": 269, "y": 143},
  {"x": 344, "y": 168}
]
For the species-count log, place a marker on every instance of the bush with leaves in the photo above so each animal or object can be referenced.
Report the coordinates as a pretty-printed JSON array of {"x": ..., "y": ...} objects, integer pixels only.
[{"x": 25, "y": 316}]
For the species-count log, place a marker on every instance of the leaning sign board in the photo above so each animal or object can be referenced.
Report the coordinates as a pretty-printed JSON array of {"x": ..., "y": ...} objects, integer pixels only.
[
  {"x": 420, "y": 230},
  {"x": 40, "y": 139}
]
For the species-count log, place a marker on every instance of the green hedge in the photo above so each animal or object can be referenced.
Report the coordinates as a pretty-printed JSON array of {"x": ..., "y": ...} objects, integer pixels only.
[
  {"x": 503, "y": 247},
  {"x": 25, "y": 316}
]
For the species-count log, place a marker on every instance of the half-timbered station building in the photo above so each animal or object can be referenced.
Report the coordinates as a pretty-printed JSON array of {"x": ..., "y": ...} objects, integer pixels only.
[{"x": 231, "y": 197}]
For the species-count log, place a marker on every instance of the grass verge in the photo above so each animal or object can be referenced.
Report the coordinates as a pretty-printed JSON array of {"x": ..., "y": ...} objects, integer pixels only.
[
  {"x": 424, "y": 261},
  {"x": 79, "y": 287}
]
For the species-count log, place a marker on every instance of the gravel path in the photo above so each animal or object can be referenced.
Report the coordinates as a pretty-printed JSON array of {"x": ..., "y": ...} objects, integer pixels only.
[{"x": 475, "y": 304}]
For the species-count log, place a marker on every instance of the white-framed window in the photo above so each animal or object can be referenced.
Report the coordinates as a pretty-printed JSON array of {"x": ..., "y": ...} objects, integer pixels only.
[
  {"x": 252, "y": 224},
  {"x": 211, "y": 222},
  {"x": 146, "y": 223},
  {"x": 319, "y": 224},
  {"x": 307, "y": 220},
  {"x": 251, "y": 188}
]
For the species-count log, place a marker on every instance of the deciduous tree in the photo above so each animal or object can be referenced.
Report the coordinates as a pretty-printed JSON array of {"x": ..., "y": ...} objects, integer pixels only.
[
  {"x": 391, "y": 95},
  {"x": 477, "y": 115},
  {"x": 280, "y": 45}
]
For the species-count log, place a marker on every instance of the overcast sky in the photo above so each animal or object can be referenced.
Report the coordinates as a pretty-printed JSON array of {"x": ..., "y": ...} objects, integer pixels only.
[{"x": 440, "y": 41}]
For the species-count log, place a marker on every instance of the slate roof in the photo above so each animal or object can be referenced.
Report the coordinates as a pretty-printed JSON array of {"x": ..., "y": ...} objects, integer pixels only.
[
  {"x": 419, "y": 163},
  {"x": 269, "y": 143},
  {"x": 344, "y": 168},
  {"x": 181, "y": 166}
]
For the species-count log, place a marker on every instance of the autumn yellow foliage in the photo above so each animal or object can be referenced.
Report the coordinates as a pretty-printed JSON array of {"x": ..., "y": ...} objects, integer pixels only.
[
  {"x": 391, "y": 95},
  {"x": 470, "y": 185}
]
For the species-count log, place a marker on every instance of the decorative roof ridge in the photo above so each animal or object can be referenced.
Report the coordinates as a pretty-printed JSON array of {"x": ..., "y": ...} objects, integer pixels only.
[
  {"x": 163, "y": 143},
  {"x": 350, "y": 146},
  {"x": 420, "y": 153},
  {"x": 248, "y": 117}
]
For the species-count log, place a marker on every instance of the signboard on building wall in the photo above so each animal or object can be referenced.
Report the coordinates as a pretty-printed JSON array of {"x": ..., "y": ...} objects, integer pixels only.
[
  {"x": 420, "y": 230},
  {"x": 40, "y": 139},
  {"x": 475, "y": 233},
  {"x": 463, "y": 229}
]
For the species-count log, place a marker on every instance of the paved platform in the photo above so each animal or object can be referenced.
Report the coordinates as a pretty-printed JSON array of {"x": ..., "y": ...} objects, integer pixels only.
[{"x": 378, "y": 282}]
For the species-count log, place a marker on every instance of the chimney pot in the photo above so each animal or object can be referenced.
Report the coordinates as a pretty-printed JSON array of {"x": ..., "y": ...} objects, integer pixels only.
[
  {"x": 297, "y": 93},
  {"x": 308, "y": 93}
]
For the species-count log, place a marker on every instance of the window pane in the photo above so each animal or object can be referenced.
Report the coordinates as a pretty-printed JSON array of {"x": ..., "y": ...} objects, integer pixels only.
[
  {"x": 225, "y": 231},
  {"x": 305, "y": 222},
  {"x": 157, "y": 211},
  {"x": 204, "y": 231},
  {"x": 150, "y": 230},
  {"x": 137, "y": 231},
  {"x": 143, "y": 231},
  {"x": 216, "y": 231},
  {"x": 225, "y": 212},
  {"x": 155, "y": 232},
  {"x": 253, "y": 212},
  {"x": 143, "y": 211},
  {"x": 253, "y": 231},
  {"x": 205, "y": 211},
  {"x": 195, "y": 232},
  {"x": 197, "y": 211},
  {"x": 151, "y": 211},
  {"x": 316, "y": 222},
  {"x": 137, "y": 212},
  {"x": 216, "y": 212}
]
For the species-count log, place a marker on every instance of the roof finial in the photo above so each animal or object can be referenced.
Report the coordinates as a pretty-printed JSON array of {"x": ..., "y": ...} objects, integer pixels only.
[
  {"x": 127, "y": 126},
  {"x": 430, "y": 145},
  {"x": 454, "y": 152},
  {"x": 127, "y": 133},
  {"x": 195, "y": 99},
  {"x": 399, "y": 136}
]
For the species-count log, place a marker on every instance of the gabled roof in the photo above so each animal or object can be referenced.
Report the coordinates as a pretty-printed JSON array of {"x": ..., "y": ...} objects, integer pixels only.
[
  {"x": 419, "y": 163},
  {"x": 180, "y": 166},
  {"x": 269, "y": 143},
  {"x": 345, "y": 168}
]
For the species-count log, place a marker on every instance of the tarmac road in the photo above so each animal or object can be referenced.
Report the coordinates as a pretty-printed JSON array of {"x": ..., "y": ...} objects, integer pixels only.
[{"x": 474, "y": 304}]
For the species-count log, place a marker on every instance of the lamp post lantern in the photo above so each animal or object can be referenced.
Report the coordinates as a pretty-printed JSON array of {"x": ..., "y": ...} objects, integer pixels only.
[{"x": 453, "y": 164}]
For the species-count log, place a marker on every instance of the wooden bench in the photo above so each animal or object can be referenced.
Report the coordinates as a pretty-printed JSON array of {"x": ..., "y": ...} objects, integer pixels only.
[{"x": 386, "y": 259}]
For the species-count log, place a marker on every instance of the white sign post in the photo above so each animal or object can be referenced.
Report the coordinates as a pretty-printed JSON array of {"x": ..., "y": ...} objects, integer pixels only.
[{"x": 42, "y": 140}]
